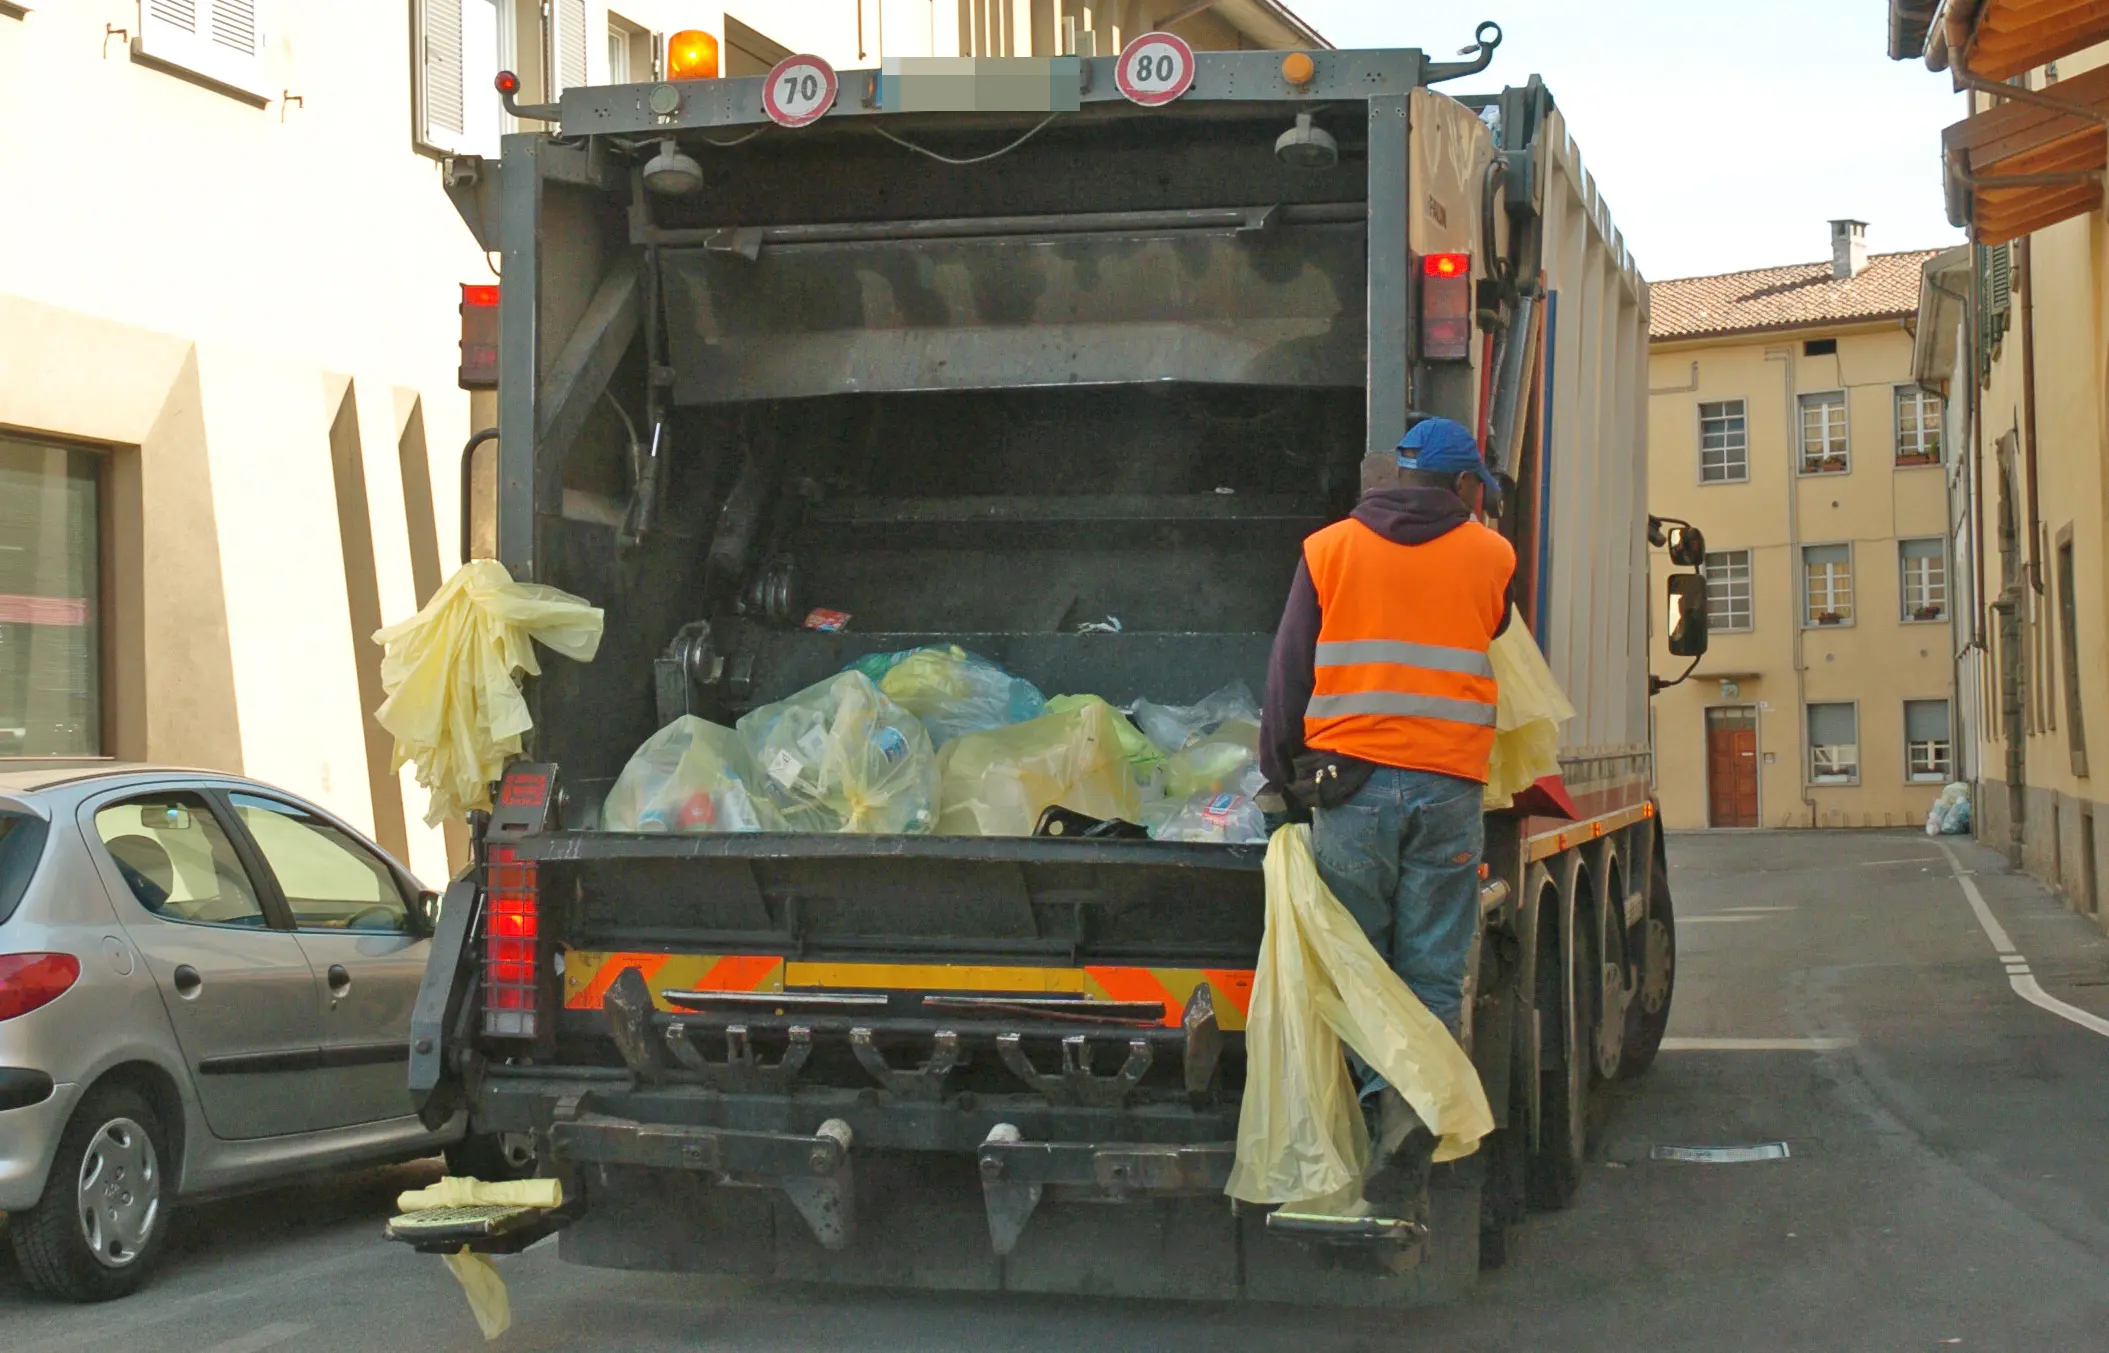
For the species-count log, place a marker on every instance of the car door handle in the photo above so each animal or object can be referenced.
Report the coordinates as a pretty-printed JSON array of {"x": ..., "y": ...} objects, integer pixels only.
[
  {"x": 340, "y": 980},
  {"x": 188, "y": 982}
]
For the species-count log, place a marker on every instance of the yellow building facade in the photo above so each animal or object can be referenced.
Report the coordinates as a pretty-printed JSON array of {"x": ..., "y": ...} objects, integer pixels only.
[
  {"x": 231, "y": 426},
  {"x": 1785, "y": 424},
  {"x": 2016, "y": 336}
]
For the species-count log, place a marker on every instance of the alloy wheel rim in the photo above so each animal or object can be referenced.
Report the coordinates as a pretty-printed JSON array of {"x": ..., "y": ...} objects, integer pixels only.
[{"x": 118, "y": 1195}]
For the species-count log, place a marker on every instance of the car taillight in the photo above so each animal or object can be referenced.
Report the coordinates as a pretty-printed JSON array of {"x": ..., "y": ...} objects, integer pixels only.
[
  {"x": 510, "y": 938},
  {"x": 30, "y": 980},
  {"x": 1446, "y": 306}
]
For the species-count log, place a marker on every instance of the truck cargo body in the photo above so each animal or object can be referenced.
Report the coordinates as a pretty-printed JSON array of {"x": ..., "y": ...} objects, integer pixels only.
[{"x": 1114, "y": 372}]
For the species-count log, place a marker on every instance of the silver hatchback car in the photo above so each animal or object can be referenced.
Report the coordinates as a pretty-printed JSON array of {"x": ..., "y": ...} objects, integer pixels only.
[{"x": 205, "y": 984}]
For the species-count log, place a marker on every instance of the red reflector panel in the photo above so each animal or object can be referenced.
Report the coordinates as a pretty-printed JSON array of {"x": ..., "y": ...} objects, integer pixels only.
[
  {"x": 524, "y": 788},
  {"x": 479, "y": 337},
  {"x": 511, "y": 923},
  {"x": 1446, "y": 306},
  {"x": 31, "y": 980}
]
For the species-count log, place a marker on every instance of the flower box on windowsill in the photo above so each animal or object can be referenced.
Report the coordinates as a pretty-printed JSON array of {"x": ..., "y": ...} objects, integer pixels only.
[
  {"x": 1929, "y": 613},
  {"x": 1919, "y": 458},
  {"x": 1830, "y": 618}
]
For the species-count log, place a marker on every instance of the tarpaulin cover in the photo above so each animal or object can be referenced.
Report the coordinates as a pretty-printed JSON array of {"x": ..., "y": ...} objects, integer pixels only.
[
  {"x": 1530, "y": 710},
  {"x": 1320, "y": 982},
  {"x": 453, "y": 704},
  {"x": 999, "y": 782}
]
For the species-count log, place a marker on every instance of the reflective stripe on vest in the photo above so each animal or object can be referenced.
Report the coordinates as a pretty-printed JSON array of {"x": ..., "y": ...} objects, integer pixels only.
[{"x": 1401, "y": 675}]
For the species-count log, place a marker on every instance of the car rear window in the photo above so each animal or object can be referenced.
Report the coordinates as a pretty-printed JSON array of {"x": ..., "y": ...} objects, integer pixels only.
[{"x": 21, "y": 845}]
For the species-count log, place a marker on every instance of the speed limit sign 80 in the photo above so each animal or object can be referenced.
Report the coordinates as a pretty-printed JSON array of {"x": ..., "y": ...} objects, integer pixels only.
[
  {"x": 799, "y": 89},
  {"x": 1155, "y": 68}
]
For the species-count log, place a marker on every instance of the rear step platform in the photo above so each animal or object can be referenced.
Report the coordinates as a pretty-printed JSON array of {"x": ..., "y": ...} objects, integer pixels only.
[{"x": 485, "y": 1229}]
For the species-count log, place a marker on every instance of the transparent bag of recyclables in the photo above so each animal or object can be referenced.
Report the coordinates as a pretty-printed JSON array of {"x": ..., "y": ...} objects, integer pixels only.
[
  {"x": 1175, "y": 727},
  {"x": 1227, "y": 819},
  {"x": 841, "y": 757},
  {"x": 952, "y": 691},
  {"x": 690, "y": 776}
]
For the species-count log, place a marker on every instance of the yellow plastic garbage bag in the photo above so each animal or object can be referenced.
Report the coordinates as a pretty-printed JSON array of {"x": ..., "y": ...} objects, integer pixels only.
[
  {"x": 1140, "y": 750},
  {"x": 840, "y": 757},
  {"x": 952, "y": 691},
  {"x": 1528, "y": 714},
  {"x": 1320, "y": 983},
  {"x": 999, "y": 782},
  {"x": 453, "y": 705},
  {"x": 690, "y": 776},
  {"x": 463, "y": 1191},
  {"x": 480, "y": 1283}
]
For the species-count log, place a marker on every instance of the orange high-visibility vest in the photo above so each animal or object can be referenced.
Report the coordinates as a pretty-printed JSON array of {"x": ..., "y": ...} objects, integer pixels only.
[{"x": 1402, "y": 675}]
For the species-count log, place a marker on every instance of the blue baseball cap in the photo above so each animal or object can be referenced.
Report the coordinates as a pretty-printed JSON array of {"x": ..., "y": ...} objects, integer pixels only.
[{"x": 1445, "y": 446}]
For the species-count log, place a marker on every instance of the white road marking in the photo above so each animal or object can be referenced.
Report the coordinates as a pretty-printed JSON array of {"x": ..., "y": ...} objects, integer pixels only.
[
  {"x": 1755, "y": 1044},
  {"x": 1907, "y": 859},
  {"x": 257, "y": 1340},
  {"x": 1718, "y": 920},
  {"x": 2018, "y": 977},
  {"x": 1730, "y": 909}
]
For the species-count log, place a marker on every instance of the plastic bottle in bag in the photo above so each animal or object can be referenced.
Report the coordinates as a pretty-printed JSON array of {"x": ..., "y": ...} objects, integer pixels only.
[
  {"x": 840, "y": 757},
  {"x": 690, "y": 776},
  {"x": 1226, "y": 818}
]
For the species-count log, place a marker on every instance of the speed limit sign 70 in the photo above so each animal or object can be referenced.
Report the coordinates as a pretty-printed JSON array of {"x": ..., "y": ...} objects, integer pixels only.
[
  {"x": 1155, "y": 68},
  {"x": 799, "y": 89}
]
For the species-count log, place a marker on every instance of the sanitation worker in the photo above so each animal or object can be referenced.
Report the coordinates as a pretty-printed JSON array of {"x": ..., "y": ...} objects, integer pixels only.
[{"x": 1379, "y": 717}]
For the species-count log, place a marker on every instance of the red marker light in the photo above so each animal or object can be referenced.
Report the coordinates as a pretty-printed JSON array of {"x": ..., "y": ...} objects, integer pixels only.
[
  {"x": 1446, "y": 265},
  {"x": 507, "y": 82},
  {"x": 485, "y": 295}
]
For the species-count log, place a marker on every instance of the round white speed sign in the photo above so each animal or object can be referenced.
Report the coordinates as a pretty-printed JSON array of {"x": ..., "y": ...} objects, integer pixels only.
[
  {"x": 799, "y": 89},
  {"x": 1155, "y": 68}
]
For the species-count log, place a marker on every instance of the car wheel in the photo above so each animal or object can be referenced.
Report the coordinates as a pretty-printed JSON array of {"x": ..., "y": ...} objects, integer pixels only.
[
  {"x": 493, "y": 1156},
  {"x": 98, "y": 1229}
]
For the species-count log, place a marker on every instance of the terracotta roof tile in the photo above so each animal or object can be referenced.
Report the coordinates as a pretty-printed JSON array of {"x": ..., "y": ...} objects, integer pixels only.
[{"x": 1795, "y": 296}]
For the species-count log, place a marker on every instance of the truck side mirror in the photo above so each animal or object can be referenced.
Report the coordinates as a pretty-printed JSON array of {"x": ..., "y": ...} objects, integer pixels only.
[
  {"x": 1687, "y": 546},
  {"x": 1688, "y": 632}
]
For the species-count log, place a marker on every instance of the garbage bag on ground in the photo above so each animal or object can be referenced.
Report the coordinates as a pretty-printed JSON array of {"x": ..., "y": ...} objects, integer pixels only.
[
  {"x": 1142, "y": 753},
  {"x": 952, "y": 691},
  {"x": 1320, "y": 982},
  {"x": 690, "y": 776},
  {"x": 840, "y": 757},
  {"x": 1950, "y": 814},
  {"x": 452, "y": 702},
  {"x": 1225, "y": 818},
  {"x": 999, "y": 782},
  {"x": 1174, "y": 727},
  {"x": 1529, "y": 711}
]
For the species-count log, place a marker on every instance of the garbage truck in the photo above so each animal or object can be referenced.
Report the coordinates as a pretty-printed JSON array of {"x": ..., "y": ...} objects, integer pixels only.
[{"x": 1057, "y": 360}]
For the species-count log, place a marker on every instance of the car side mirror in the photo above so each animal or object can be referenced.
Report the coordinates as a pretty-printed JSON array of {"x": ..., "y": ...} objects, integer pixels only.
[
  {"x": 425, "y": 915},
  {"x": 1688, "y": 633}
]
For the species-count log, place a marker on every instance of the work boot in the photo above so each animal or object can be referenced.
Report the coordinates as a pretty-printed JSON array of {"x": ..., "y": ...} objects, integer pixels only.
[{"x": 1400, "y": 1165}]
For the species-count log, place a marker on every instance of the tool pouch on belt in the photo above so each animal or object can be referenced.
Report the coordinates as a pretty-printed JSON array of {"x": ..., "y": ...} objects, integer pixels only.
[{"x": 1327, "y": 779}]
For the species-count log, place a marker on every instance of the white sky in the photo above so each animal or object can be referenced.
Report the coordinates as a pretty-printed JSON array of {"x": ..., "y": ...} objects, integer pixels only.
[{"x": 1724, "y": 135}]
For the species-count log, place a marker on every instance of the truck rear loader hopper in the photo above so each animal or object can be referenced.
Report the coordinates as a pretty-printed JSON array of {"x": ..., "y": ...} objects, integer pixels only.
[{"x": 1063, "y": 368}]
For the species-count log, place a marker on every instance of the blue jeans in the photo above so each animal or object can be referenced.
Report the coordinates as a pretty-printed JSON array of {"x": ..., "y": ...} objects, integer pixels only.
[{"x": 1402, "y": 856}]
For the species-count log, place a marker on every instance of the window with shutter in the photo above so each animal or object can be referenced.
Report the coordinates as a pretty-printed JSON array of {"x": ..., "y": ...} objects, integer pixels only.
[
  {"x": 1926, "y": 741},
  {"x": 454, "y": 107},
  {"x": 567, "y": 67},
  {"x": 219, "y": 41},
  {"x": 1834, "y": 744}
]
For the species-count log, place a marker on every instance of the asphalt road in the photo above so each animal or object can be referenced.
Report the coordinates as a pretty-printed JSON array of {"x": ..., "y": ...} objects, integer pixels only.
[{"x": 1947, "y": 1184}]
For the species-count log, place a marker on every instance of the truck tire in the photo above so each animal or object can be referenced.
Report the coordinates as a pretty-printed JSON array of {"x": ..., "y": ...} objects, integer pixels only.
[
  {"x": 1565, "y": 999},
  {"x": 99, "y": 1228},
  {"x": 1649, "y": 1014}
]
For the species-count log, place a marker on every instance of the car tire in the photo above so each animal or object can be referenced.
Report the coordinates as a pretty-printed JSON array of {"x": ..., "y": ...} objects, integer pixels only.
[
  {"x": 492, "y": 1156},
  {"x": 98, "y": 1230}
]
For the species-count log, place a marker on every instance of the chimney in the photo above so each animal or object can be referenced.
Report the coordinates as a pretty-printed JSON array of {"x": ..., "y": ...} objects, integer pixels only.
[{"x": 1848, "y": 248}]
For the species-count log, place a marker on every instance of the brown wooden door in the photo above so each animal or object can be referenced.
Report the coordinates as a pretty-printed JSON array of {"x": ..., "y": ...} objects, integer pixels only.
[{"x": 1732, "y": 766}]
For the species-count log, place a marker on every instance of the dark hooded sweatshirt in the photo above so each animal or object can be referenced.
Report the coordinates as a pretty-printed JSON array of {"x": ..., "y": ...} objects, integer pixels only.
[{"x": 1405, "y": 516}]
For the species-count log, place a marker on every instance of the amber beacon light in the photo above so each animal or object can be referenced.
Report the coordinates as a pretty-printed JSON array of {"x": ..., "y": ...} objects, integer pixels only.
[{"x": 692, "y": 54}]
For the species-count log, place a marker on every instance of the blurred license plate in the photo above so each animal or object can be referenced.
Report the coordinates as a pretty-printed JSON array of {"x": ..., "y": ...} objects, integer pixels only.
[{"x": 979, "y": 84}]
